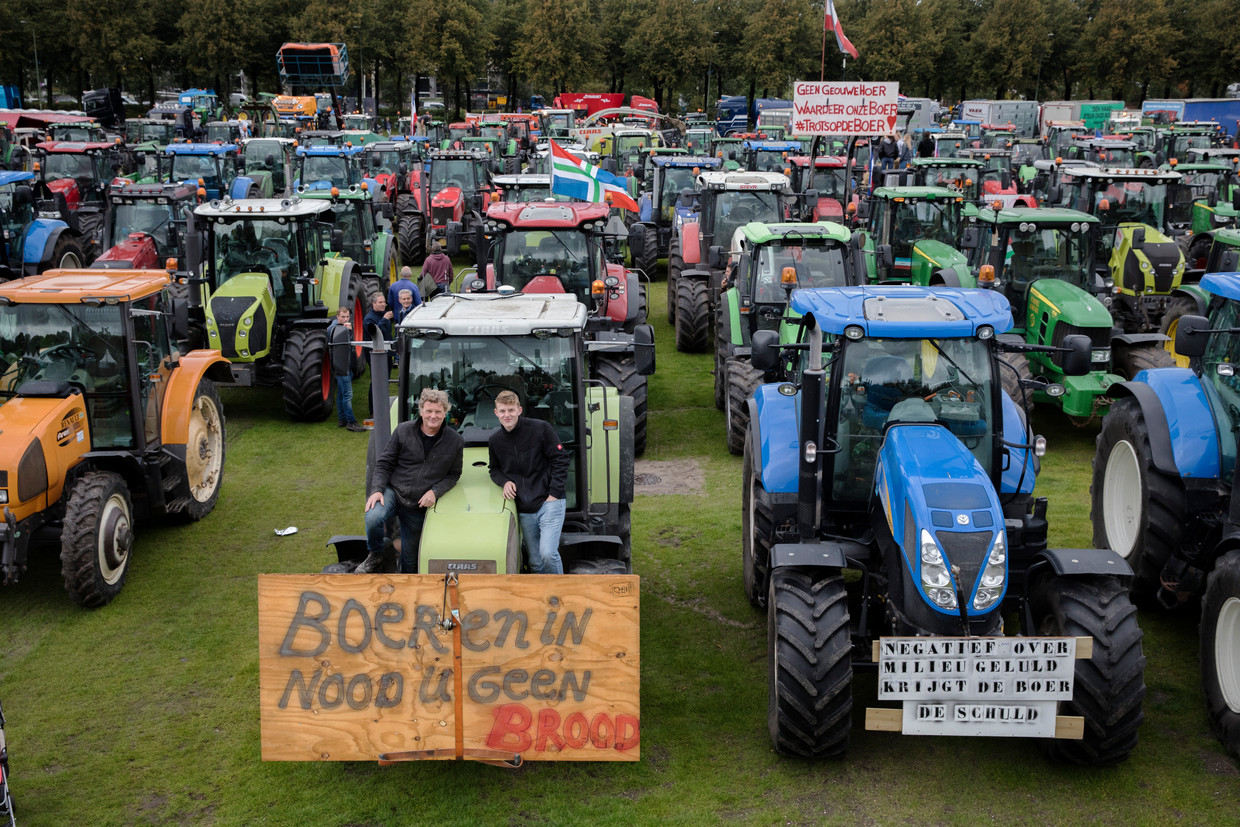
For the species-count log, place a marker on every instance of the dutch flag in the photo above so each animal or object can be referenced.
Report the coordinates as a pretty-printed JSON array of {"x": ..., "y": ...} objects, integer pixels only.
[{"x": 585, "y": 182}]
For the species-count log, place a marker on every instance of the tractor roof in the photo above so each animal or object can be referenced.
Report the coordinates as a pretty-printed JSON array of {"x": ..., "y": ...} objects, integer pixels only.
[
  {"x": 330, "y": 151},
  {"x": 686, "y": 161},
  {"x": 949, "y": 136},
  {"x": 931, "y": 193},
  {"x": 248, "y": 141},
  {"x": 947, "y": 162},
  {"x": 821, "y": 162},
  {"x": 564, "y": 214},
  {"x": 1155, "y": 176},
  {"x": 256, "y": 208},
  {"x": 75, "y": 146},
  {"x": 736, "y": 181},
  {"x": 78, "y": 286},
  {"x": 496, "y": 314},
  {"x": 773, "y": 146},
  {"x": 905, "y": 311},
  {"x": 126, "y": 190},
  {"x": 1038, "y": 215},
  {"x": 389, "y": 146},
  {"x": 1226, "y": 285},
  {"x": 757, "y": 232},
  {"x": 1108, "y": 142},
  {"x": 201, "y": 149},
  {"x": 1220, "y": 165},
  {"x": 1213, "y": 153},
  {"x": 456, "y": 155},
  {"x": 525, "y": 179},
  {"x": 7, "y": 178}
]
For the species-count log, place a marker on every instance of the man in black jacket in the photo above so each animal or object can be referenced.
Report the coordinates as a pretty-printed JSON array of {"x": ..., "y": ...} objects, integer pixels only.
[
  {"x": 530, "y": 463},
  {"x": 420, "y": 463},
  {"x": 340, "y": 343}
]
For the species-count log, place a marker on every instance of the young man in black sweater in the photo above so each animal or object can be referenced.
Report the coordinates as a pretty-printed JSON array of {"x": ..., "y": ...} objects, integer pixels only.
[{"x": 530, "y": 463}]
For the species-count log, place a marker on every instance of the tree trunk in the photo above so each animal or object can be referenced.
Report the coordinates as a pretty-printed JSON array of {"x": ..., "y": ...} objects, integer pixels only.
[
  {"x": 753, "y": 87},
  {"x": 456, "y": 97}
]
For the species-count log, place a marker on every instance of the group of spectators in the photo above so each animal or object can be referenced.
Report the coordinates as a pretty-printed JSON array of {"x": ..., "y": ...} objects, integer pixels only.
[{"x": 894, "y": 150}]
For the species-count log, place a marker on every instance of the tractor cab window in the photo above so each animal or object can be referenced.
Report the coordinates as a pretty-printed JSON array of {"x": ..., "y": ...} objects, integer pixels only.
[
  {"x": 58, "y": 165},
  {"x": 830, "y": 182},
  {"x": 1180, "y": 144},
  {"x": 816, "y": 265},
  {"x": 884, "y": 381},
  {"x": 1024, "y": 154},
  {"x": 266, "y": 246},
  {"x": 1139, "y": 201},
  {"x": 548, "y": 261},
  {"x": 675, "y": 181},
  {"x": 195, "y": 167},
  {"x": 15, "y": 215},
  {"x": 473, "y": 371},
  {"x": 332, "y": 168},
  {"x": 81, "y": 345},
  {"x": 769, "y": 161},
  {"x": 949, "y": 147},
  {"x": 1143, "y": 141},
  {"x": 493, "y": 133},
  {"x": 452, "y": 172},
  {"x": 147, "y": 217},
  {"x": 380, "y": 162},
  {"x": 928, "y": 220},
  {"x": 1201, "y": 183},
  {"x": 957, "y": 179},
  {"x": 734, "y": 210},
  {"x": 629, "y": 148},
  {"x": 356, "y": 222},
  {"x": 1047, "y": 252},
  {"x": 526, "y": 195},
  {"x": 1224, "y": 391},
  {"x": 151, "y": 351}
]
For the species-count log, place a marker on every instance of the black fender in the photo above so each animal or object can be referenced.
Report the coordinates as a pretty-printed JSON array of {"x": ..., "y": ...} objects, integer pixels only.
[
  {"x": 1196, "y": 298},
  {"x": 947, "y": 277},
  {"x": 1084, "y": 562},
  {"x": 1138, "y": 339},
  {"x": 1155, "y": 423},
  {"x": 820, "y": 555},
  {"x": 697, "y": 274},
  {"x": 350, "y": 269}
]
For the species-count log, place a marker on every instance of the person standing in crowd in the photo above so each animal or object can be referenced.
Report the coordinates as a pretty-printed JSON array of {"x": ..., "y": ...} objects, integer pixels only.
[
  {"x": 340, "y": 344},
  {"x": 925, "y": 147},
  {"x": 405, "y": 282},
  {"x": 436, "y": 270},
  {"x": 377, "y": 318},
  {"x": 888, "y": 152},
  {"x": 906, "y": 151}
]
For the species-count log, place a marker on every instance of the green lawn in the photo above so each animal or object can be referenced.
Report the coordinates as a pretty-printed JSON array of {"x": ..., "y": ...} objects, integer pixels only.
[{"x": 146, "y": 711}]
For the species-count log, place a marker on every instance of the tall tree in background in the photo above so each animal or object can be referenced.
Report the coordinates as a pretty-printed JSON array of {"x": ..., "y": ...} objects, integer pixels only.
[
  {"x": 558, "y": 46},
  {"x": 671, "y": 44},
  {"x": 1127, "y": 45},
  {"x": 615, "y": 22},
  {"x": 1009, "y": 47},
  {"x": 779, "y": 42}
]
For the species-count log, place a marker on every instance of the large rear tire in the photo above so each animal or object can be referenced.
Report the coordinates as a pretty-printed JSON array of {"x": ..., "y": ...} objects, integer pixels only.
[
  {"x": 1179, "y": 307},
  {"x": 198, "y": 482},
  {"x": 308, "y": 381},
  {"x": 412, "y": 238},
  {"x": 675, "y": 264},
  {"x": 692, "y": 316},
  {"x": 1220, "y": 650},
  {"x": 809, "y": 686},
  {"x": 757, "y": 528},
  {"x": 1129, "y": 361},
  {"x": 644, "y": 248},
  {"x": 619, "y": 370},
  {"x": 97, "y": 538},
  {"x": 1011, "y": 378},
  {"x": 742, "y": 378},
  {"x": 1109, "y": 687},
  {"x": 68, "y": 253},
  {"x": 1136, "y": 510}
]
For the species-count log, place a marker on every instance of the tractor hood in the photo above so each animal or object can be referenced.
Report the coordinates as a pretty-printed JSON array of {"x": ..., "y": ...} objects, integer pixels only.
[
  {"x": 137, "y": 252},
  {"x": 69, "y": 188},
  {"x": 1153, "y": 266},
  {"x": 447, "y": 197},
  {"x": 240, "y": 316},
  {"x": 933, "y": 262},
  {"x": 45, "y": 433}
]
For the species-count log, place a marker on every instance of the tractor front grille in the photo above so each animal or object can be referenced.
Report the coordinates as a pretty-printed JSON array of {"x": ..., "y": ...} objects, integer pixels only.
[
  {"x": 228, "y": 312},
  {"x": 965, "y": 550},
  {"x": 440, "y": 216}
]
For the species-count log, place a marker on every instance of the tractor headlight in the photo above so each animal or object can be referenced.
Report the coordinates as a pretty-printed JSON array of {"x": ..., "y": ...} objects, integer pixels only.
[
  {"x": 936, "y": 581},
  {"x": 1145, "y": 265},
  {"x": 990, "y": 584},
  {"x": 4, "y": 496},
  {"x": 1221, "y": 219},
  {"x": 1100, "y": 355}
]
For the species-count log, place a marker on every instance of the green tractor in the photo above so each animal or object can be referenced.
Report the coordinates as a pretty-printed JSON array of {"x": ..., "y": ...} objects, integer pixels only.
[
  {"x": 264, "y": 289},
  {"x": 960, "y": 174},
  {"x": 911, "y": 237},
  {"x": 269, "y": 163},
  {"x": 1207, "y": 200},
  {"x": 1042, "y": 260},
  {"x": 771, "y": 260}
]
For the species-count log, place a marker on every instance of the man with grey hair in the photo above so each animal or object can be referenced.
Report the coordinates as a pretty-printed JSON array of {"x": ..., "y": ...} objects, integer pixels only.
[{"x": 420, "y": 463}]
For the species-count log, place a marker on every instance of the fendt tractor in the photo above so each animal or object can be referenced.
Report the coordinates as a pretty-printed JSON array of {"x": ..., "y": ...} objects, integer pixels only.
[
  {"x": 474, "y": 347},
  {"x": 1163, "y": 492},
  {"x": 264, "y": 289},
  {"x": 888, "y": 516},
  {"x": 108, "y": 420},
  {"x": 560, "y": 248}
]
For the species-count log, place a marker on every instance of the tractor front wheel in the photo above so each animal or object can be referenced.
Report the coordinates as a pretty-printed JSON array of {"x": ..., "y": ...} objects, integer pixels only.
[
  {"x": 692, "y": 316},
  {"x": 309, "y": 385},
  {"x": 97, "y": 538},
  {"x": 644, "y": 248},
  {"x": 809, "y": 686},
  {"x": 1220, "y": 650},
  {"x": 67, "y": 253},
  {"x": 412, "y": 239},
  {"x": 619, "y": 370},
  {"x": 1109, "y": 687},
  {"x": 743, "y": 378},
  {"x": 198, "y": 479}
]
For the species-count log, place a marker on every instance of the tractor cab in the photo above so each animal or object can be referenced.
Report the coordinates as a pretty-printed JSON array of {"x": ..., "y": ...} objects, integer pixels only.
[
  {"x": 960, "y": 174},
  {"x": 972, "y": 129},
  {"x": 80, "y": 171},
  {"x": 1025, "y": 151},
  {"x": 357, "y": 122},
  {"x": 769, "y": 156},
  {"x": 998, "y": 178},
  {"x": 456, "y": 132},
  {"x": 328, "y": 167},
  {"x": 628, "y": 148},
  {"x": 997, "y": 136},
  {"x": 1060, "y": 134},
  {"x": 950, "y": 144},
  {"x": 221, "y": 132},
  {"x": 911, "y": 237},
  {"x": 698, "y": 140},
  {"x": 144, "y": 225},
  {"x": 213, "y": 167},
  {"x": 81, "y": 131},
  {"x": 322, "y": 137},
  {"x": 269, "y": 163},
  {"x": 829, "y": 179},
  {"x": 1111, "y": 151},
  {"x": 730, "y": 151},
  {"x": 396, "y": 165},
  {"x": 1175, "y": 141}
]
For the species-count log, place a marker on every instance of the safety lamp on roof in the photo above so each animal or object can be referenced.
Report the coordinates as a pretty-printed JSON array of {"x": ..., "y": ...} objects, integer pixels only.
[
  {"x": 986, "y": 275},
  {"x": 788, "y": 277}
]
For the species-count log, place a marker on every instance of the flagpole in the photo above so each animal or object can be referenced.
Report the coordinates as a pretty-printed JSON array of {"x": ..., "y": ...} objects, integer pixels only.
[{"x": 822, "y": 71}]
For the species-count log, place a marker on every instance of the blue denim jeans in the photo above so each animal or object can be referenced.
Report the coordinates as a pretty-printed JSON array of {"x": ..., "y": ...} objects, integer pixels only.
[
  {"x": 411, "y": 520},
  {"x": 541, "y": 531},
  {"x": 344, "y": 399}
]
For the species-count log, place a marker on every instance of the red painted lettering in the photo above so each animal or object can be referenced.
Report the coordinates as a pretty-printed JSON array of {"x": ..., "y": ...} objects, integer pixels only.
[
  {"x": 509, "y": 732},
  {"x": 548, "y": 726},
  {"x": 576, "y": 730},
  {"x": 628, "y": 731},
  {"x": 602, "y": 731}
]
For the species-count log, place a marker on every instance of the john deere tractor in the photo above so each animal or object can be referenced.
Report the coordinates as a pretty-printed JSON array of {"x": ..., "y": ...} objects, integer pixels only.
[
  {"x": 263, "y": 290},
  {"x": 1206, "y": 200},
  {"x": 107, "y": 422},
  {"x": 889, "y": 524},
  {"x": 912, "y": 236}
]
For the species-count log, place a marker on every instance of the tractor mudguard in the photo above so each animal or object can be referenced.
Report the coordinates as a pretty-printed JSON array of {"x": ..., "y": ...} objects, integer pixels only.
[
  {"x": 240, "y": 187},
  {"x": 816, "y": 555},
  {"x": 730, "y": 315},
  {"x": 775, "y": 427},
  {"x": 1196, "y": 294},
  {"x": 926, "y": 480},
  {"x": 1085, "y": 562},
  {"x": 182, "y": 385},
  {"x": 334, "y": 283},
  {"x": 699, "y": 275},
  {"x": 1020, "y": 470},
  {"x": 41, "y": 237},
  {"x": 606, "y": 456},
  {"x": 1169, "y": 395},
  {"x": 690, "y": 243},
  {"x": 930, "y": 257}
]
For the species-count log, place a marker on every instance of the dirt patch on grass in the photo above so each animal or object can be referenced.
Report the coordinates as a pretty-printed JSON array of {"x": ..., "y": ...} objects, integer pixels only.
[
  {"x": 1216, "y": 764},
  {"x": 673, "y": 476}
]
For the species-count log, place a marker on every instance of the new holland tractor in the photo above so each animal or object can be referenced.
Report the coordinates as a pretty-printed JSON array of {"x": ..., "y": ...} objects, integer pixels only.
[
  {"x": 668, "y": 194},
  {"x": 107, "y": 422},
  {"x": 29, "y": 242},
  {"x": 561, "y": 248},
  {"x": 700, "y": 245},
  {"x": 216, "y": 168},
  {"x": 475, "y": 346},
  {"x": 264, "y": 283},
  {"x": 888, "y": 515},
  {"x": 769, "y": 261},
  {"x": 1042, "y": 260},
  {"x": 912, "y": 236},
  {"x": 1163, "y": 492}
]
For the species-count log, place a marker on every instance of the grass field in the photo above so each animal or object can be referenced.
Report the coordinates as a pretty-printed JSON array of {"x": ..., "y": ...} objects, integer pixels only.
[{"x": 146, "y": 711}]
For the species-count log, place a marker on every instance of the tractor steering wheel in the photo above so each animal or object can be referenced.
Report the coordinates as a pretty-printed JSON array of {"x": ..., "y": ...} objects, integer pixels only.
[{"x": 482, "y": 390}]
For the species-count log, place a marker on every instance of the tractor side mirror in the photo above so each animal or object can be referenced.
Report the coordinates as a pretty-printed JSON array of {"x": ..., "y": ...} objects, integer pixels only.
[
  {"x": 811, "y": 200},
  {"x": 714, "y": 257},
  {"x": 639, "y": 173},
  {"x": 1052, "y": 193},
  {"x": 863, "y": 211},
  {"x": 765, "y": 351},
  {"x": 970, "y": 238},
  {"x": 337, "y": 241},
  {"x": 1138, "y": 238},
  {"x": 885, "y": 260},
  {"x": 643, "y": 349},
  {"x": 23, "y": 196},
  {"x": 402, "y": 169},
  {"x": 1190, "y": 338},
  {"x": 1076, "y": 359},
  {"x": 180, "y": 318},
  {"x": 1005, "y": 179}
]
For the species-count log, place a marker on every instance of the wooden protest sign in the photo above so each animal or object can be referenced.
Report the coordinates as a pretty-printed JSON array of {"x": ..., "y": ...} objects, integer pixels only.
[{"x": 352, "y": 667}]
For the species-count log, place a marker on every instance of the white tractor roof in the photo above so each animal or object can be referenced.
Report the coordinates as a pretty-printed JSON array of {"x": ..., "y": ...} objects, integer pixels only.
[
  {"x": 735, "y": 181},
  {"x": 292, "y": 207},
  {"x": 497, "y": 314}
]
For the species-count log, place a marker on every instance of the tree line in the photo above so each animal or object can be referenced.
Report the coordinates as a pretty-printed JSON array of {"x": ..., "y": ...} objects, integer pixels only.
[{"x": 689, "y": 51}]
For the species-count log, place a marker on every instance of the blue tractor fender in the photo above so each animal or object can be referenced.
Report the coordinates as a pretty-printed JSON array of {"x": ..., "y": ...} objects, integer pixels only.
[
  {"x": 41, "y": 237},
  {"x": 927, "y": 480},
  {"x": 773, "y": 422},
  {"x": 645, "y": 208},
  {"x": 240, "y": 187},
  {"x": 1175, "y": 395},
  {"x": 1021, "y": 468}
]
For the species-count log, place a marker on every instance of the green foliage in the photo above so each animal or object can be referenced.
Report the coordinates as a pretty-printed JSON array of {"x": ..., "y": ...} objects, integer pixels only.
[{"x": 557, "y": 48}]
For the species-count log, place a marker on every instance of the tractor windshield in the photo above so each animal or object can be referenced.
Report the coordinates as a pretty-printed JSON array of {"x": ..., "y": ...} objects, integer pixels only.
[
  {"x": 57, "y": 165},
  {"x": 1223, "y": 391},
  {"x": 527, "y": 194},
  {"x": 452, "y": 172},
  {"x": 736, "y": 209},
  {"x": 492, "y": 133},
  {"x": 961, "y": 179},
  {"x": 1048, "y": 252},
  {"x": 830, "y": 182},
  {"x": 193, "y": 167},
  {"x": 675, "y": 180},
  {"x": 266, "y": 246},
  {"x": 385, "y": 161},
  {"x": 766, "y": 160},
  {"x": 145, "y": 217},
  {"x": 1024, "y": 154},
  {"x": 474, "y": 370},
  {"x": 548, "y": 261},
  {"x": 883, "y": 381},
  {"x": 335, "y": 169},
  {"x": 950, "y": 147},
  {"x": 1139, "y": 201},
  {"x": 914, "y": 221},
  {"x": 221, "y": 132},
  {"x": 137, "y": 133},
  {"x": 1180, "y": 144},
  {"x": 818, "y": 265},
  {"x": 356, "y": 223}
]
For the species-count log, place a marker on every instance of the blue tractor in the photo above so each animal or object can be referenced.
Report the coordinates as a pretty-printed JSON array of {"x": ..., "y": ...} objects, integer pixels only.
[
  {"x": 1163, "y": 489},
  {"x": 219, "y": 169},
  {"x": 888, "y": 514},
  {"x": 29, "y": 242}
]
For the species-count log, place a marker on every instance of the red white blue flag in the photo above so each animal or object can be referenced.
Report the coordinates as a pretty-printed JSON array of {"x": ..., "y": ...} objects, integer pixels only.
[
  {"x": 583, "y": 181},
  {"x": 831, "y": 22}
]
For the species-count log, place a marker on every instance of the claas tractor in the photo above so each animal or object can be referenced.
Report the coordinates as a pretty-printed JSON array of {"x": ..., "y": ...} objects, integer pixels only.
[
  {"x": 30, "y": 242},
  {"x": 669, "y": 183},
  {"x": 702, "y": 240},
  {"x": 888, "y": 516},
  {"x": 475, "y": 346},
  {"x": 144, "y": 226},
  {"x": 264, "y": 284},
  {"x": 107, "y": 422},
  {"x": 912, "y": 235},
  {"x": 768, "y": 262},
  {"x": 560, "y": 248},
  {"x": 1042, "y": 260}
]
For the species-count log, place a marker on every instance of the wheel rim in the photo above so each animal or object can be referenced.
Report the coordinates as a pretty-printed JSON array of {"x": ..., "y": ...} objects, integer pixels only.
[
  {"x": 326, "y": 389},
  {"x": 115, "y": 538},
  {"x": 70, "y": 260},
  {"x": 1121, "y": 498},
  {"x": 203, "y": 450},
  {"x": 1169, "y": 345},
  {"x": 1226, "y": 663}
]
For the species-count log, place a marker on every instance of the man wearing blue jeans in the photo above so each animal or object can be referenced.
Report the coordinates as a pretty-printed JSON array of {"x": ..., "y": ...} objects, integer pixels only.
[
  {"x": 340, "y": 346},
  {"x": 421, "y": 462},
  {"x": 528, "y": 460}
]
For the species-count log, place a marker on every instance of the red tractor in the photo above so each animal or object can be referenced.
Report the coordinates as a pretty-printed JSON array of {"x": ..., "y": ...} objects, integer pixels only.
[
  {"x": 77, "y": 174},
  {"x": 829, "y": 180},
  {"x": 561, "y": 248},
  {"x": 398, "y": 167},
  {"x": 459, "y": 184},
  {"x": 144, "y": 225}
]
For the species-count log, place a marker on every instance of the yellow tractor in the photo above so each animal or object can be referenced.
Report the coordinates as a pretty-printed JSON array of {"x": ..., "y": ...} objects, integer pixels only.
[{"x": 103, "y": 420}]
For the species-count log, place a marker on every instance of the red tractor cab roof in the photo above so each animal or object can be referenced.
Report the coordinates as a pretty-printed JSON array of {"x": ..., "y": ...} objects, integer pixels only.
[
  {"x": 821, "y": 162},
  {"x": 75, "y": 146},
  {"x": 557, "y": 215}
]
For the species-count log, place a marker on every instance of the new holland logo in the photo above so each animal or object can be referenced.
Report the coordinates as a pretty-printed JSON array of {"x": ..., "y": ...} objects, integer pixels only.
[{"x": 963, "y": 519}]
